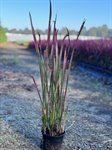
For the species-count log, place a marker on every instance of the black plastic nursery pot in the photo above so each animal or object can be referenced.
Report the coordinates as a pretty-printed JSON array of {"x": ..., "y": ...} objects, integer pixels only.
[{"x": 52, "y": 142}]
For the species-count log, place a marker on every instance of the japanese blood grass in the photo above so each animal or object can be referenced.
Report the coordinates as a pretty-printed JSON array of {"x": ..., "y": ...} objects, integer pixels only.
[{"x": 54, "y": 74}]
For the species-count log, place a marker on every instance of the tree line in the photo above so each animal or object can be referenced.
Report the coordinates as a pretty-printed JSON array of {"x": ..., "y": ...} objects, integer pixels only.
[{"x": 101, "y": 31}]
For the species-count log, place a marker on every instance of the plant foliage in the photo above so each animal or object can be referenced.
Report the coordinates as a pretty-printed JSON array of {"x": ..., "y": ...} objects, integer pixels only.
[
  {"x": 3, "y": 37},
  {"x": 54, "y": 73}
]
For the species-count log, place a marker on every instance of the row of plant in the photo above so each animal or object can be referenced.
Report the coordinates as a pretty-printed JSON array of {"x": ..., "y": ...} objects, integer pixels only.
[{"x": 95, "y": 52}]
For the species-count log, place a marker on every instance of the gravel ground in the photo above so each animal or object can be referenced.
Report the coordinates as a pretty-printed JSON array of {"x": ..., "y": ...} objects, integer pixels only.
[{"x": 89, "y": 102}]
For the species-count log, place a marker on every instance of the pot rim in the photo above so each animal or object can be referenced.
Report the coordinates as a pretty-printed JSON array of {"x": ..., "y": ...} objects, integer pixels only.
[{"x": 56, "y": 136}]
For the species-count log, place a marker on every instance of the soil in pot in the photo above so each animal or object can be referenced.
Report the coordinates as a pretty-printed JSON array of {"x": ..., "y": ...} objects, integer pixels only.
[{"x": 52, "y": 142}]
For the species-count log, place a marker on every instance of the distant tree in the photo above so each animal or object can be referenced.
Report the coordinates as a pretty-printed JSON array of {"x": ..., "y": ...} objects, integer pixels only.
[
  {"x": 72, "y": 32},
  {"x": 92, "y": 31},
  {"x": 20, "y": 31},
  {"x": 63, "y": 31},
  {"x": 84, "y": 31},
  {"x": 40, "y": 31},
  {"x": 26, "y": 31},
  {"x": 6, "y": 29},
  {"x": 110, "y": 33},
  {"x": 14, "y": 30},
  {"x": 101, "y": 31},
  {"x": 104, "y": 30},
  {"x": 45, "y": 31}
]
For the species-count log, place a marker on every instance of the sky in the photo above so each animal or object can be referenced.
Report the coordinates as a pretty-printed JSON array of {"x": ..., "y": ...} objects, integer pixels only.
[{"x": 70, "y": 13}]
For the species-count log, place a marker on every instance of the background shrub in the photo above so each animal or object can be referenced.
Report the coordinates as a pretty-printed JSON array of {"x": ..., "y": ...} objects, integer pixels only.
[
  {"x": 3, "y": 37},
  {"x": 94, "y": 52}
]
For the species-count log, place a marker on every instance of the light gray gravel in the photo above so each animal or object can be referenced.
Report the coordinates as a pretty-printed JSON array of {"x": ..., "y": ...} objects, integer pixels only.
[{"x": 89, "y": 107}]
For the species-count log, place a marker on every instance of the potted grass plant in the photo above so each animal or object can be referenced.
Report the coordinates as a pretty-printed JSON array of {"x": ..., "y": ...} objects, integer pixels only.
[{"x": 54, "y": 67}]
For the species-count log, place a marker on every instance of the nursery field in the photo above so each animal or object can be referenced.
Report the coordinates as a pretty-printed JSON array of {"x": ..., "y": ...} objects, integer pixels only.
[
  {"x": 89, "y": 101},
  {"x": 97, "y": 52}
]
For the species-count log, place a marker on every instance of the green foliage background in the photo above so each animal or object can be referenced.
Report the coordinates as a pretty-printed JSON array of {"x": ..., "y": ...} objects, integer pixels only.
[{"x": 3, "y": 37}]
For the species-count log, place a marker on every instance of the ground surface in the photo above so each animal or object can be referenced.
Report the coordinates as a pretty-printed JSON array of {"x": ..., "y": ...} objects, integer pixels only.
[{"x": 89, "y": 102}]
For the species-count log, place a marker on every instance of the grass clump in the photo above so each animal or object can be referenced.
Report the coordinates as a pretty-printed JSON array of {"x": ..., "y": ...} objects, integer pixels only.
[{"x": 54, "y": 66}]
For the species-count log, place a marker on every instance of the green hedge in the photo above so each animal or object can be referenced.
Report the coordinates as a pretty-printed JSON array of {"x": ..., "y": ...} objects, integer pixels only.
[{"x": 3, "y": 37}]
